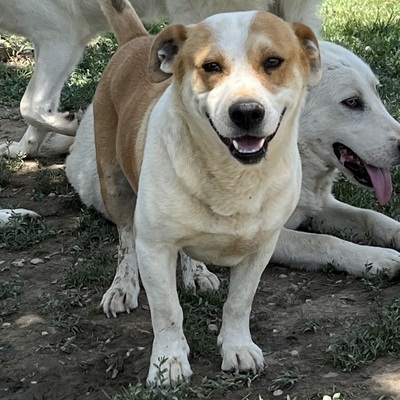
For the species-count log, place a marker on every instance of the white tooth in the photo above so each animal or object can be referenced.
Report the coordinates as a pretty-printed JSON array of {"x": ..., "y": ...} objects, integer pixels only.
[{"x": 244, "y": 151}]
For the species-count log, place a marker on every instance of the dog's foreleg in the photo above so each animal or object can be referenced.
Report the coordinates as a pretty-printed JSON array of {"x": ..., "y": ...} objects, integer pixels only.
[
  {"x": 196, "y": 275},
  {"x": 360, "y": 223},
  {"x": 239, "y": 352},
  {"x": 314, "y": 251},
  {"x": 157, "y": 265},
  {"x": 122, "y": 296}
]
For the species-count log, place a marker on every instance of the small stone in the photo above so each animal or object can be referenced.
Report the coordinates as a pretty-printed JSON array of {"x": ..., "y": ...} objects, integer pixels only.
[
  {"x": 141, "y": 348},
  {"x": 275, "y": 331},
  {"x": 36, "y": 261},
  {"x": 51, "y": 195},
  {"x": 294, "y": 353},
  {"x": 6, "y": 325},
  {"x": 308, "y": 300},
  {"x": 213, "y": 328},
  {"x": 282, "y": 276},
  {"x": 278, "y": 392},
  {"x": 44, "y": 333},
  {"x": 33, "y": 382},
  {"x": 330, "y": 375},
  {"x": 18, "y": 263}
]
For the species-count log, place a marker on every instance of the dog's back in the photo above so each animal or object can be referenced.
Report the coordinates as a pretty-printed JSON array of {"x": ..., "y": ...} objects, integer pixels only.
[{"x": 119, "y": 88}]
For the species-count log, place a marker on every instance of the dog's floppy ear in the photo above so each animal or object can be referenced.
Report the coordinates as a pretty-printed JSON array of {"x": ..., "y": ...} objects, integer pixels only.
[
  {"x": 311, "y": 48},
  {"x": 163, "y": 51}
]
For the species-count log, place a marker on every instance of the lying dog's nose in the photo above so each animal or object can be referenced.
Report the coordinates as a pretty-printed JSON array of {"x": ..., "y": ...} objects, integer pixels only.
[{"x": 247, "y": 115}]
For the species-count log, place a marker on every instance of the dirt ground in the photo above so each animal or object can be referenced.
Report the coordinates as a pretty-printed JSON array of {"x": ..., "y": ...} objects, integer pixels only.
[{"x": 40, "y": 360}]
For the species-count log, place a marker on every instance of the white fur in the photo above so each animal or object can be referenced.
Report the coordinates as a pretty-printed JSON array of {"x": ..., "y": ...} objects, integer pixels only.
[
  {"x": 324, "y": 120},
  {"x": 60, "y": 30},
  {"x": 6, "y": 215}
]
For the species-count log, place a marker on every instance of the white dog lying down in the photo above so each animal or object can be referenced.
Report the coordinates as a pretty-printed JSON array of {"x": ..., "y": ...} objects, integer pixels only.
[
  {"x": 215, "y": 148},
  {"x": 6, "y": 215},
  {"x": 60, "y": 30},
  {"x": 344, "y": 109}
]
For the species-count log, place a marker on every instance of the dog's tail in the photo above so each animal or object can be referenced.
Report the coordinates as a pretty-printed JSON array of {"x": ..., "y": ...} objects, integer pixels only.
[{"x": 123, "y": 19}]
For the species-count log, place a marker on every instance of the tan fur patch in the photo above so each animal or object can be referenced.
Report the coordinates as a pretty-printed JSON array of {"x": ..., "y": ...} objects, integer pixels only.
[
  {"x": 199, "y": 49},
  {"x": 269, "y": 37}
]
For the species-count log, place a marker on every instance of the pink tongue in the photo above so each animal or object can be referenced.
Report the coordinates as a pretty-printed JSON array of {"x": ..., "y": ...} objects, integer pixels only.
[
  {"x": 382, "y": 183},
  {"x": 248, "y": 144}
]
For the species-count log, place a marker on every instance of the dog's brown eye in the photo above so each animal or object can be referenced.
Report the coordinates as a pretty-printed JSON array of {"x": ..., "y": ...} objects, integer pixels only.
[
  {"x": 272, "y": 63},
  {"x": 212, "y": 67},
  {"x": 354, "y": 103}
]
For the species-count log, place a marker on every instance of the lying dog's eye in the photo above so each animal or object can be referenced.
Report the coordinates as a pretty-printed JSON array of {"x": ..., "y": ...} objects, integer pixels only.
[
  {"x": 212, "y": 67},
  {"x": 272, "y": 63},
  {"x": 354, "y": 103}
]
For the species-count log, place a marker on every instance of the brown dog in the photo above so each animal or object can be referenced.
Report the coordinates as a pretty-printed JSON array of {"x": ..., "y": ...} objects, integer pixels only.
[{"x": 215, "y": 149}]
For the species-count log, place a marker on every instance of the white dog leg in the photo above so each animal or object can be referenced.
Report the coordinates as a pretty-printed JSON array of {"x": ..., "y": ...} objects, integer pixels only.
[
  {"x": 40, "y": 101},
  {"x": 239, "y": 352},
  {"x": 39, "y": 105},
  {"x": 157, "y": 265},
  {"x": 196, "y": 275},
  {"x": 122, "y": 296},
  {"x": 316, "y": 251},
  {"x": 27, "y": 146}
]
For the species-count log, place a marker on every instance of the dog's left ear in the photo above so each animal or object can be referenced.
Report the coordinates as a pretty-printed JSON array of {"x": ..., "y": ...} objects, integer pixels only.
[
  {"x": 310, "y": 46},
  {"x": 163, "y": 51}
]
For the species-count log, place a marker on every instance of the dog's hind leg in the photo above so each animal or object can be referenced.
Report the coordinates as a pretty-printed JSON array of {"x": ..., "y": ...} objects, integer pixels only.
[
  {"x": 39, "y": 105},
  {"x": 196, "y": 275},
  {"x": 122, "y": 296}
]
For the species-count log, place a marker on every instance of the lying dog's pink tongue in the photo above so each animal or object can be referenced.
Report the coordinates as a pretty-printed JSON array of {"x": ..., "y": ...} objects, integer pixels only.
[
  {"x": 382, "y": 183},
  {"x": 248, "y": 144}
]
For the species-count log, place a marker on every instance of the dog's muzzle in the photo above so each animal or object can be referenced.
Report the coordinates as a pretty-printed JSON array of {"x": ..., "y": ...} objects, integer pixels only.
[{"x": 247, "y": 148}]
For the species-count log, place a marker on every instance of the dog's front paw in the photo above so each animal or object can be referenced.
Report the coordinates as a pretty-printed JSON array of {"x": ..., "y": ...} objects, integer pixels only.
[
  {"x": 383, "y": 261},
  {"x": 196, "y": 275},
  {"x": 169, "y": 363},
  {"x": 120, "y": 298},
  {"x": 241, "y": 356}
]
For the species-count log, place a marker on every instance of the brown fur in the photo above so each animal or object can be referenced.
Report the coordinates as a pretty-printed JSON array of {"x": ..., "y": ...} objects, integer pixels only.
[{"x": 117, "y": 111}]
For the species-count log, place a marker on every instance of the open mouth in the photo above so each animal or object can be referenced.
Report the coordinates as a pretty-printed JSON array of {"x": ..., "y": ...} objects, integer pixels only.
[
  {"x": 377, "y": 178},
  {"x": 247, "y": 149}
]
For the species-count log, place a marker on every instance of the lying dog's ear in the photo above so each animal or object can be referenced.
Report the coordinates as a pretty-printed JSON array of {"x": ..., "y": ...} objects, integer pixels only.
[
  {"x": 165, "y": 47},
  {"x": 311, "y": 48}
]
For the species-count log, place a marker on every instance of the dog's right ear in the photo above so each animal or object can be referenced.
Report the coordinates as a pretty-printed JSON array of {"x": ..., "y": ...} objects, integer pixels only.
[{"x": 162, "y": 54}]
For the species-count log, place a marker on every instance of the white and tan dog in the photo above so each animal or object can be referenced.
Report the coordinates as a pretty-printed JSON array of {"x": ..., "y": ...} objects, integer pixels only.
[
  {"x": 211, "y": 155},
  {"x": 60, "y": 30},
  {"x": 343, "y": 126}
]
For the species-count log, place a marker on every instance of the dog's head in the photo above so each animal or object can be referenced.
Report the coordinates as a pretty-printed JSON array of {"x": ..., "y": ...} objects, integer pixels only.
[
  {"x": 346, "y": 124},
  {"x": 239, "y": 77}
]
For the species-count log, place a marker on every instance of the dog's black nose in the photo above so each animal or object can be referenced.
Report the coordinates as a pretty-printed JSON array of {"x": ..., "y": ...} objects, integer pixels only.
[{"x": 247, "y": 115}]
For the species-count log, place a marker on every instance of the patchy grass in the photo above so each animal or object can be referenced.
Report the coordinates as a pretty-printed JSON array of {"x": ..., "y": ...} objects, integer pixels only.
[
  {"x": 50, "y": 181},
  {"x": 95, "y": 252},
  {"x": 10, "y": 289},
  {"x": 203, "y": 312},
  {"x": 364, "y": 345},
  {"x": 207, "y": 388},
  {"x": 7, "y": 167},
  {"x": 23, "y": 232}
]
